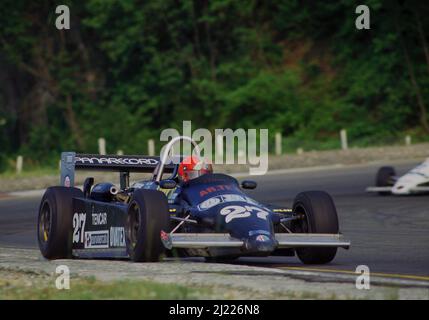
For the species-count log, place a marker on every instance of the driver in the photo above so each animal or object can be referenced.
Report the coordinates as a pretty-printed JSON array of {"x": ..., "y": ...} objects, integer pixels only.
[{"x": 192, "y": 167}]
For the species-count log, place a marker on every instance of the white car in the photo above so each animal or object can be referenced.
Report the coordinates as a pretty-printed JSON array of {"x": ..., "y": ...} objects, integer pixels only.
[{"x": 415, "y": 181}]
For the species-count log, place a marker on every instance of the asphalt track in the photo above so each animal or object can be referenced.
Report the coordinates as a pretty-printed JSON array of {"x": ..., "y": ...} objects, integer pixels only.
[{"x": 389, "y": 234}]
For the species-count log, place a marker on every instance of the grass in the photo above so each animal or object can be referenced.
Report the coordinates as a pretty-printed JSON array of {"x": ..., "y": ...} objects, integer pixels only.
[
  {"x": 29, "y": 173},
  {"x": 34, "y": 287}
]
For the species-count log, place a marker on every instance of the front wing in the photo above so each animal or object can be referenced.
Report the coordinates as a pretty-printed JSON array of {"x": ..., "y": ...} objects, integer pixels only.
[
  {"x": 285, "y": 240},
  {"x": 389, "y": 189}
]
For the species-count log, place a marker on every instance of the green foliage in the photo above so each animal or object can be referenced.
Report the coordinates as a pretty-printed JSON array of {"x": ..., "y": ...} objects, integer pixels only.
[{"x": 128, "y": 69}]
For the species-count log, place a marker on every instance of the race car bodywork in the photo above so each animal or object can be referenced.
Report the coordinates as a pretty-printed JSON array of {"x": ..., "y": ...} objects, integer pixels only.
[
  {"x": 415, "y": 181},
  {"x": 210, "y": 216}
]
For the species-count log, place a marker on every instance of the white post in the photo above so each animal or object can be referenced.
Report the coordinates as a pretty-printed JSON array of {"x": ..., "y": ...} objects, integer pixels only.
[
  {"x": 19, "y": 163},
  {"x": 278, "y": 143},
  {"x": 219, "y": 145},
  {"x": 343, "y": 135},
  {"x": 101, "y": 146},
  {"x": 151, "y": 147},
  {"x": 299, "y": 151},
  {"x": 120, "y": 152},
  {"x": 407, "y": 140}
]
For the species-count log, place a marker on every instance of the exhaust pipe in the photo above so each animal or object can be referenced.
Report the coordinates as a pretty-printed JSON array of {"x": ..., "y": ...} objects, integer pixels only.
[{"x": 113, "y": 190}]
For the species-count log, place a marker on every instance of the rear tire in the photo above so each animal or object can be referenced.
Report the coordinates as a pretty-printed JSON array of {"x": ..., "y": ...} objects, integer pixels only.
[
  {"x": 384, "y": 178},
  {"x": 319, "y": 216},
  {"x": 54, "y": 223},
  {"x": 148, "y": 215}
]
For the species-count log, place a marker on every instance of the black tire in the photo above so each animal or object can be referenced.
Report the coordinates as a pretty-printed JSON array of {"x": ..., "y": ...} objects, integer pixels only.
[
  {"x": 319, "y": 216},
  {"x": 148, "y": 214},
  {"x": 54, "y": 222},
  {"x": 384, "y": 178}
]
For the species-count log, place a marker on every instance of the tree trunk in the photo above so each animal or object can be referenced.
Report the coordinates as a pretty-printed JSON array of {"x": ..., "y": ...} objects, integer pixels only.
[
  {"x": 73, "y": 124},
  {"x": 422, "y": 38},
  {"x": 420, "y": 102},
  {"x": 212, "y": 49}
]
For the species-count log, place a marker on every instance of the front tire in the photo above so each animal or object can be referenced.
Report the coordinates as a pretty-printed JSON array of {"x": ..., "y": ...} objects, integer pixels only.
[
  {"x": 148, "y": 215},
  {"x": 54, "y": 223},
  {"x": 319, "y": 215},
  {"x": 384, "y": 178}
]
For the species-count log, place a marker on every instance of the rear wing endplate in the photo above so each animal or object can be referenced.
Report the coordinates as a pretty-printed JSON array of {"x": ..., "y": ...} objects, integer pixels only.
[{"x": 72, "y": 161}]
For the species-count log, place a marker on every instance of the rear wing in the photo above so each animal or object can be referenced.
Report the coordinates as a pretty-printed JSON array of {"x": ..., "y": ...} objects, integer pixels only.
[{"x": 72, "y": 161}]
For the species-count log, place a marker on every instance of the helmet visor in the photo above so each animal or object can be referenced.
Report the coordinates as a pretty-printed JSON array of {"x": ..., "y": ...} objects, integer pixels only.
[{"x": 192, "y": 174}]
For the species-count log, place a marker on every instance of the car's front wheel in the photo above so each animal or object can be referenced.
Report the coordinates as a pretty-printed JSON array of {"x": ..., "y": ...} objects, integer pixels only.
[
  {"x": 384, "y": 178},
  {"x": 54, "y": 222},
  {"x": 318, "y": 215},
  {"x": 148, "y": 215}
]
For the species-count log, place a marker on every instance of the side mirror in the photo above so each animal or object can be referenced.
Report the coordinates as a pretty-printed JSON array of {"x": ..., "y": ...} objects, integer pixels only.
[
  {"x": 248, "y": 184},
  {"x": 167, "y": 184}
]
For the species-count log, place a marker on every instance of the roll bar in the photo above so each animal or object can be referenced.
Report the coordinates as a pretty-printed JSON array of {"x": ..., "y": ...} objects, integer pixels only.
[{"x": 167, "y": 150}]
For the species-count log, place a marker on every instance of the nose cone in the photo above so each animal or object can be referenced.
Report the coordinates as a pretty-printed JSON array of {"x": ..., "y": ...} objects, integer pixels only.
[
  {"x": 260, "y": 244},
  {"x": 406, "y": 182}
]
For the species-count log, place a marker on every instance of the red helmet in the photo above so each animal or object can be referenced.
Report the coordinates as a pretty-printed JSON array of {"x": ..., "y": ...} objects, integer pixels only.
[{"x": 192, "y": 167}]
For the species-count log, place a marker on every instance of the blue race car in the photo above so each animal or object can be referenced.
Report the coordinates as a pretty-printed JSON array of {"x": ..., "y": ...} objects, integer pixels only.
[{"x": 192, "y": 212}]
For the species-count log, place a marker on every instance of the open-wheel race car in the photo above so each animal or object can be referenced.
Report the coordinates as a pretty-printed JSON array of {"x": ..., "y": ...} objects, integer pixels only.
[
  {"x": 187, "y": 213},
  {"x": 415, "y": 181}
]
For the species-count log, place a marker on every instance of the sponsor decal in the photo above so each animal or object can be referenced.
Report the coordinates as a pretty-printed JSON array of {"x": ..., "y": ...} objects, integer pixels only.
[
  {"x": 211, "y": 202},
  {"x": 99, "y": 219},
  {"x": 220, "y": 187},
  {"x": 117, "y": 237},
  {"x": 166, "y": 240},
  {"x": 172, "y": 196},
  {"x": 145, "y": 185},
  {"x": 164, "y": 235},
  {"x": 119, "y": 161},
  {"x": 67, "y": 182},
  {"x": 97, "y": 239},
  {"x": 262, "y": 238}
]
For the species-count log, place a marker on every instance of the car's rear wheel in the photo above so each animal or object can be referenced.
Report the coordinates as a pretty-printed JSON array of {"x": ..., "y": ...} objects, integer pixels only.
[
  {"x": 318, "y": 215},
  {"x": 148, "y": 215},
  {"x": 384, "y": 178},
  {"x": 54, "y": 223}
]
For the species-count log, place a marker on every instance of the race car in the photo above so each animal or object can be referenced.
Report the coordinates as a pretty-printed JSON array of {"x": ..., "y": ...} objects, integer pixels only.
[
  {"x": 415, "y": 181},
  {"x": 207, "y": 216}
]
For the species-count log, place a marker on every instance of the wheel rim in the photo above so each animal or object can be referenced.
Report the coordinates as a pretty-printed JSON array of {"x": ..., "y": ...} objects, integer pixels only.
[
  {"x": 45, "y": 222},
  {"x": 133, "y": 223}
]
